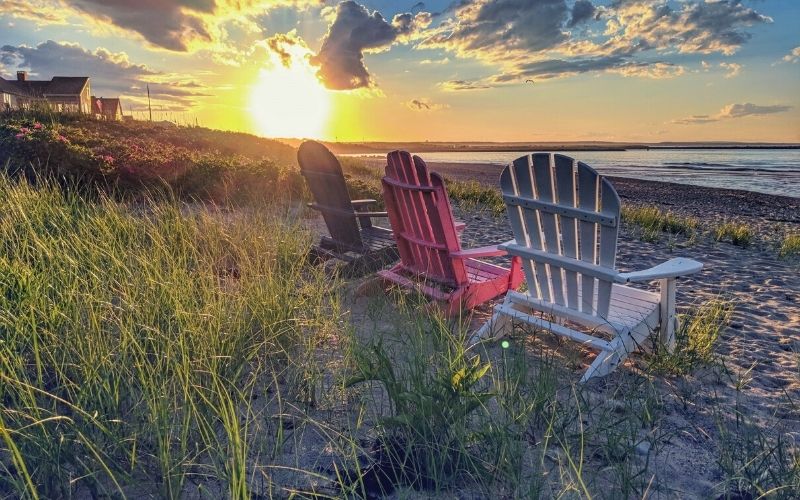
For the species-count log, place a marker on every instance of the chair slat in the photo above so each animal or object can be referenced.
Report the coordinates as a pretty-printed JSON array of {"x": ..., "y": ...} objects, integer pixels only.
[
  {"x": 515, "y": 218},
  {"x": 543, "y": 178},
  {"x": 587, "y": 232},
  {"x": 609, "y": 204},
  {"x": 533, "y": 231},
  {"x": 565, "y": 182}
]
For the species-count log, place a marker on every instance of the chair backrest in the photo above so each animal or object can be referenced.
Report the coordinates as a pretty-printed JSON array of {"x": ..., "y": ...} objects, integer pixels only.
[
  {"x": 324, "y": 177},
  {"x": 422, "y": 220},
  {"x": 565, "y": 218}
]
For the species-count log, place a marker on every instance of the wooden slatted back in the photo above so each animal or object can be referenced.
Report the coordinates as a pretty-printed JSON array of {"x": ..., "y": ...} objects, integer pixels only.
[
  {"x": 561, "y": 207},
  {"x": 422, "y": 220},
  {"x": 325, "y": 179}
]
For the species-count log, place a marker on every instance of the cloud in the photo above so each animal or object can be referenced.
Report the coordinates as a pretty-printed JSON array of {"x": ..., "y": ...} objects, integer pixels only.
[
  {"x": 749, "y": 109},
  {"x": 176, "y": 25},
  {"x": 560, "y": 68},
  {"x": 39, "y": 11},
  {"x": 528, "y": 39},
  {"x": 792, "y": 56},
  {"x": 354, "y": 31},
  {"x": 112, "y": 73},
  {"x": 498, "y": 29},
  {"x": 424, "y": 104},
  {"x": 446, "y": 60},
  {"x": 733, "y": 69},
  {"x": 582, "y": 11},
  {"x": 732, "y": 111},
  {"x": 170, "y": 24},
  {"x": 279, "y": 44},
  {"x": 456, "y": 85}
]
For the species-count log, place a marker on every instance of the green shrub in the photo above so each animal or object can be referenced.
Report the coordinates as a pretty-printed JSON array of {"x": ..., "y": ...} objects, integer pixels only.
[
  {"x": 737, "y": 233},
  {"x": 138, "y": 157}
]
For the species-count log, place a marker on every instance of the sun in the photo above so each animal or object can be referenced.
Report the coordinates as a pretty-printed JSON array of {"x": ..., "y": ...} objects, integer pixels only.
[{"x": 290, "y": 101}]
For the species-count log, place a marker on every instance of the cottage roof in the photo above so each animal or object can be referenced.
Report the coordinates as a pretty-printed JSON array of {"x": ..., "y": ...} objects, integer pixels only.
[
  {"x": 66, "y": 85},
  {"x": 59, "y": 85}
]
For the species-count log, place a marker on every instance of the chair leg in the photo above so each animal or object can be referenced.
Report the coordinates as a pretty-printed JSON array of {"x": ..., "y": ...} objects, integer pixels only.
[
  {"x": 607, "y": 361},
  {"x": 498, "y": 326},
  {"x": 668, "y": 318}
]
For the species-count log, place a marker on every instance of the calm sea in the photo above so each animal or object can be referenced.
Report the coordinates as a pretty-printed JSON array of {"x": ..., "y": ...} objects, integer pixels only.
[{"x": 772, "y": 171}]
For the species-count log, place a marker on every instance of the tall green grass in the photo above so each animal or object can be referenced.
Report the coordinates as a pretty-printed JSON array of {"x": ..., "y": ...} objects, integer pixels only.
[{"x": 134, "y": 339}]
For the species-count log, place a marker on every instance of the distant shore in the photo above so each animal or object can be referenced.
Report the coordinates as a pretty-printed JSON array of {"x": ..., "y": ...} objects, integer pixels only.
[{"x": 381, "y": 148}]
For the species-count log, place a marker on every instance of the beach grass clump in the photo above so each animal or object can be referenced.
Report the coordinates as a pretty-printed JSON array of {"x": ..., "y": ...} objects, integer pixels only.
[
  {"x": 473, "y": 194},
  {"x": 654, "y": 221},
  {"x": 136, "y": 339},
  {"x": 698, "y": 332},
  {"x": 790, "y": 247},
  {"x": 737, "y": 233},
  {"x": 756, "y": 461},
  {"x": 357, "y": 166}
]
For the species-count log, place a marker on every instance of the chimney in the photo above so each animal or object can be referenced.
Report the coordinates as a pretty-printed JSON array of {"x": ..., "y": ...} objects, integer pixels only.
[{"x": 22, "y": 76}]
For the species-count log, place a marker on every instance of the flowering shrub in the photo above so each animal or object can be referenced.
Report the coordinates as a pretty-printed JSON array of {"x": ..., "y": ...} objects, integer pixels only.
[{"x": 129, "y": 157}]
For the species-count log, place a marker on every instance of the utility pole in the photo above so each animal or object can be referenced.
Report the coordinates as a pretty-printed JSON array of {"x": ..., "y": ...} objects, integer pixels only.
[{"x": 148, "y": 103}]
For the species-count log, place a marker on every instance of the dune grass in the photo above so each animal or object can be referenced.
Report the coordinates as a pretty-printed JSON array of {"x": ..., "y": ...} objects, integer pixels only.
[
  {"x": 473, "y": 194},
  {"x": 134, "y": 339},
  {"x": 737, "y": 233},
  {"x": 698, "y": 333},
  {"x": 790, "y": 247},
  {"x": 654, "y": 221}
]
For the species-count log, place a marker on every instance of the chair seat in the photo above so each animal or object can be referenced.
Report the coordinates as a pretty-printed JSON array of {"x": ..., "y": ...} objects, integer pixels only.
[
  {"x": 480, "y": 272},
  {"x": 377, "y": 238},
  {"x": 629, "y": 308}
]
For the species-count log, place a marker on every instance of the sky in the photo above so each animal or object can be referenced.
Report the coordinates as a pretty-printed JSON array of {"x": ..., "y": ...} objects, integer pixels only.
[{"x": 443, "y": 70}]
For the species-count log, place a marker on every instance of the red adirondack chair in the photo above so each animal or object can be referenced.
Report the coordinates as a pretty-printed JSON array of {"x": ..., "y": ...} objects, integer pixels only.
[{"x": 431, "y": 258}]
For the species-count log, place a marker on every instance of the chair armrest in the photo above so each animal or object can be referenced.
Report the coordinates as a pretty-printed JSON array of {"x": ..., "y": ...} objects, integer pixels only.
[
  {"x": 371, "y": 214},
  {"x": 670, "y": 269},
  {"x": 346, "y": 213},
  {"x": 360, "y": 203},
  {"x": 487, "y": 251},
  {"x": 460, "y": 226},
  {"x": 505, "y": 243}
]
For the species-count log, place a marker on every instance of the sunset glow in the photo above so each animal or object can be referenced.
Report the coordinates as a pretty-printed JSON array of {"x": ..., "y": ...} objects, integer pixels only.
[
  {"x": 289, "y": 102},
  {"x": 477, "y": 70}
]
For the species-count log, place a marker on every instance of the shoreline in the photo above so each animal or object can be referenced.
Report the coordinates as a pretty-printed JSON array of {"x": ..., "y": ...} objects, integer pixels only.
[{"x": 689, "y": 199}]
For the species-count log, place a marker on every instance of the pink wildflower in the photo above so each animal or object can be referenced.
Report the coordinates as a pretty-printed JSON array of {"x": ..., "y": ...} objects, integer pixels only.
[
  {"x": 24, "y": 130},
  {"x": 20, "y": 135},
  {"x": 61, "y": 138},
  {"x": 37, "y": 126},
  {"x": 108, "y": 159}
]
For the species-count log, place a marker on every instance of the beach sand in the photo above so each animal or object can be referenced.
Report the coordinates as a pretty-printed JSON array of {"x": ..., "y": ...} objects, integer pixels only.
[{"x": 759, "y": 351}]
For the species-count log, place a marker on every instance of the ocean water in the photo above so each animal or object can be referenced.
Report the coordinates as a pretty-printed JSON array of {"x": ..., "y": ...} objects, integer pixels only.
[{"x": 771, "y": 171}]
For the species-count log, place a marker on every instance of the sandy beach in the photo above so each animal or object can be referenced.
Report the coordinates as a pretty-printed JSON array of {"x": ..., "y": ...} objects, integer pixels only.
[{"x": 758, "y": 369}]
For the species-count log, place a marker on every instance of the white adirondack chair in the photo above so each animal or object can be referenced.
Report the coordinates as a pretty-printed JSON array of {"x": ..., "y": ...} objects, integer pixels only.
[{"x": 565, "y": 219}]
